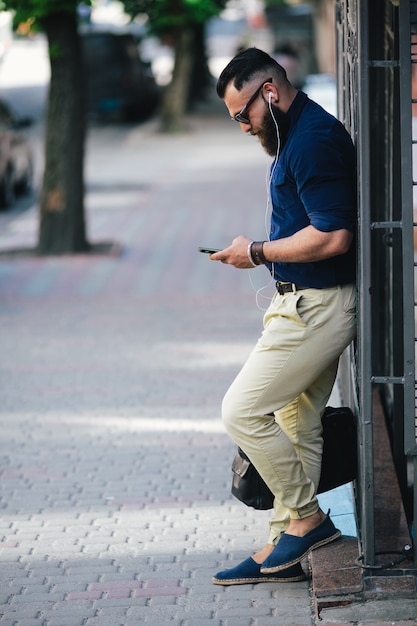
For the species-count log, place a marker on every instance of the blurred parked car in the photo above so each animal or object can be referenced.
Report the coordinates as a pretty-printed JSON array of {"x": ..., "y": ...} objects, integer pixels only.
[
  {"x": 16, "y": 162},
  {"x": 119, "y": 84}
]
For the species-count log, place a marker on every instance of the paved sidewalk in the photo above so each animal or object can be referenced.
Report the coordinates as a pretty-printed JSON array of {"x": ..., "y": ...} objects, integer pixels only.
[{"x": 115, "y": 472}]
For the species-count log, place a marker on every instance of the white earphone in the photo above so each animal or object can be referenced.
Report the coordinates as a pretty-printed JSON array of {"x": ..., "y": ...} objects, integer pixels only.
[{"x": 270, "y": 96}]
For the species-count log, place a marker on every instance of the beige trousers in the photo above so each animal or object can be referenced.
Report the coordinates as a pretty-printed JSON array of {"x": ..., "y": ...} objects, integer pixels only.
[{"x": 273, "y": 408}]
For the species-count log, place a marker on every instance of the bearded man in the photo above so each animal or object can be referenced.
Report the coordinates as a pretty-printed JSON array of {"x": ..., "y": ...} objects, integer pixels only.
[{"x": 273, "y": 408}]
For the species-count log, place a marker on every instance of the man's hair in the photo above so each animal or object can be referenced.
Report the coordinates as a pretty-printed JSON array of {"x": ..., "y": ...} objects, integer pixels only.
[{"x": 247, "y": 65}]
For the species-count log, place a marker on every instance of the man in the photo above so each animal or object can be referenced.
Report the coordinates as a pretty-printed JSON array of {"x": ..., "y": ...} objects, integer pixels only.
[{"x": 273, "y": 408}]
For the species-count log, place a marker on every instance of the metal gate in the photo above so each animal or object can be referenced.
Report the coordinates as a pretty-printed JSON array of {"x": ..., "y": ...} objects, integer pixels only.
[{"x": 376, "y": 51}]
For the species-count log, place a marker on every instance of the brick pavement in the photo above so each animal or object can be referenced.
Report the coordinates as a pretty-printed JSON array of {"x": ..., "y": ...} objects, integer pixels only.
[{"x": 115, "y": 472}]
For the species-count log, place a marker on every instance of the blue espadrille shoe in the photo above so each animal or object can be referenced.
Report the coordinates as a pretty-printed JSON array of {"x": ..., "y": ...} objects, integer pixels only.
[
  {"x": 291, "y": 549},
  {"x": 250, "y": 572}
]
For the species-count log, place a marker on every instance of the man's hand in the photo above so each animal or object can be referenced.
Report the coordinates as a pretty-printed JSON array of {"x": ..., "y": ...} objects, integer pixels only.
[
  {"x": 236, "y": 254},
  {"x": 305, "y": 246}
]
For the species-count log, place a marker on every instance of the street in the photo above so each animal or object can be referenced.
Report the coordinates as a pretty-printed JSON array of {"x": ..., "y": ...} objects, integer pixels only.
[
  {"x": 116, "y": 504},
  {"x": 115, "y": 466}
]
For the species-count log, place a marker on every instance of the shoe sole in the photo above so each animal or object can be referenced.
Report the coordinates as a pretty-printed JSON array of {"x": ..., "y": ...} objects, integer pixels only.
[
  {"x": 323, "y": 542},
  {"x": 253, "y": 581}
]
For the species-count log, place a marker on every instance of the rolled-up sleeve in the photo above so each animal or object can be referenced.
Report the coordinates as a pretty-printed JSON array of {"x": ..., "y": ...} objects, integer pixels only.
[{"x": 322, "y": 170}]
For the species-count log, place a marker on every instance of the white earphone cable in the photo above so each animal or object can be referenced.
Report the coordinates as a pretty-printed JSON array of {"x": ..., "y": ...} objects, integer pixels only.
[{"x": 269, "y": 175}]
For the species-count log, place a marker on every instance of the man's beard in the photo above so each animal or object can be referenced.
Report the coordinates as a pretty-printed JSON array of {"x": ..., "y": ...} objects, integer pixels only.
[{"x": 268, "y": 134}]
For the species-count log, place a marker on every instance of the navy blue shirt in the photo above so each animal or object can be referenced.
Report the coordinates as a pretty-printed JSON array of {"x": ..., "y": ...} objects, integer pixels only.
[{"x": 313, "y": 183}]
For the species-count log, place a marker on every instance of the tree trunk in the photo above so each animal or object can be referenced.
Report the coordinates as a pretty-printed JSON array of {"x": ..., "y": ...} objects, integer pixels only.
[
  {"x": 62, "y": 225},
  {"x": 175, "y": 100}
]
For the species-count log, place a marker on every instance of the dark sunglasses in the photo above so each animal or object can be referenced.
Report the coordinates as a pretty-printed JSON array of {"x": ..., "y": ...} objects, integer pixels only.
[{"x": 239, "y": 117}]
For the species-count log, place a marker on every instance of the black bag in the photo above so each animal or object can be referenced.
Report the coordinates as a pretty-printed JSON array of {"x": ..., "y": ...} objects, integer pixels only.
[{"x": 339, "y": 462}]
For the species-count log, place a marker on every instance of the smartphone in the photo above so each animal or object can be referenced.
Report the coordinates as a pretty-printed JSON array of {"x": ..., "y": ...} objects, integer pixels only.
[{"x": 209, "y": 250}]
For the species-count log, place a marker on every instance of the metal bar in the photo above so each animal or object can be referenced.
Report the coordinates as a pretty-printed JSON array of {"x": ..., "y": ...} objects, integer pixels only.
[
  {"x": 393, "y": 224},
  {"x": 415, "y": 503},
  {"x": 382, "y": 380},
  {"x": 407, "y": 231},
  {"x": 381, "y": 63},
  {"x": 366, "y": 456},
  {"x": 405, "y": 49}
]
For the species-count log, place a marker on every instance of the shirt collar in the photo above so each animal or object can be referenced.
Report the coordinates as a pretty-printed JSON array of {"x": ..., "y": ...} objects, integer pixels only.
[{"x": 296, "y": 107}]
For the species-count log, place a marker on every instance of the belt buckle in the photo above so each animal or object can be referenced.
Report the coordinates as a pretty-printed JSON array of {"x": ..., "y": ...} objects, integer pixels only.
[{"x": 285, "y": 287}]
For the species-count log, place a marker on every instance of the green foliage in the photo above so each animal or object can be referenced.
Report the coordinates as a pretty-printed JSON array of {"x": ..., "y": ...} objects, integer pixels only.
[
  {"x": 166, "y": 15},
  {"x": 38, "y": 9}
]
